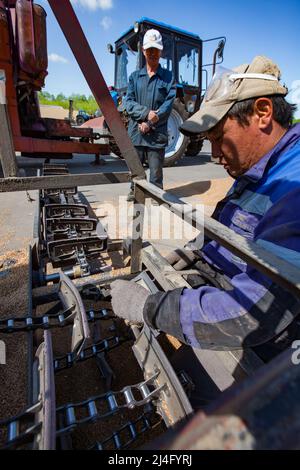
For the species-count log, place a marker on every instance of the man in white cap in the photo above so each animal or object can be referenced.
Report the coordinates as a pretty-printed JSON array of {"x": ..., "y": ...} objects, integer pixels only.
[
  {"x": 231, "y": 305},
  {"x": 149, "y": 100}
]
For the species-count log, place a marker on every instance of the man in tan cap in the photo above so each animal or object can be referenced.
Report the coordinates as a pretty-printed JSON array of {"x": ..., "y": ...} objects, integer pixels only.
[{"x": 231, "y": 305}]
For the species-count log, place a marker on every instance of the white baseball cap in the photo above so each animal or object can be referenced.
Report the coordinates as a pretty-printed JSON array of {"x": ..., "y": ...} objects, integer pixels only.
[{"x": 153, "y": 38}]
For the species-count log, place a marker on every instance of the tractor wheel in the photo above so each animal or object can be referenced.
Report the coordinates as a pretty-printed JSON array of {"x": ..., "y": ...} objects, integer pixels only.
[
  {"x": 194, "y": 147},
  {"x": 80, "y": 120},
  {"x": 177, "y": 142}
]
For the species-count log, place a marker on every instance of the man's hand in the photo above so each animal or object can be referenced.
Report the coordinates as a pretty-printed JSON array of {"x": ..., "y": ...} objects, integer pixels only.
[
  {"x": 181, "y": 259},
  {"x": 152, "y": 116},
  {"x": 128, "y": 300},
  {"x": 144, "y": 128}
]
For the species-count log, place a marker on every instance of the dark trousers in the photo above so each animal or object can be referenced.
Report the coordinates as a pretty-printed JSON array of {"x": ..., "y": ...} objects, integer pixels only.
[{"x": 155, "y": 159}]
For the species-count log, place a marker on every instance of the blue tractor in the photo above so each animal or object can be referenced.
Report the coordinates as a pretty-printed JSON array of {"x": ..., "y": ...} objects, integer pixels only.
[{"x": 183, "y": 55}]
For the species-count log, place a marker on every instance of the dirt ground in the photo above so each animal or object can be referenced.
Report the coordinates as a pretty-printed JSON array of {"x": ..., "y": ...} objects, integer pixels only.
[
  {"x": 55, "y": 112},
  {"x": 14, "y": 303}
]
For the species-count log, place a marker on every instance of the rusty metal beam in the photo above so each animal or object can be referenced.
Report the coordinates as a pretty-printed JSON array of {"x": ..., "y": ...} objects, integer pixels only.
[
  {"x": 7, "y": 153},
  {"x": 60, "y": 181},
  {"x": 79, "y": 45},
  {"x": 36, "y": 146}
]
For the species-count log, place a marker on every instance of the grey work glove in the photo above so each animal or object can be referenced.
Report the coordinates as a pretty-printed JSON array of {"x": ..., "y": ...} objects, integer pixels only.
[
  {"x": 128, "y": 300},
  {"x": 181, "y": 258}
]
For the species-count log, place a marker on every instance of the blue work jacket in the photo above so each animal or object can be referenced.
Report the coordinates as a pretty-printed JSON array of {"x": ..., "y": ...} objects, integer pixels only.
[
  {"x": 145, "y": 94},
  {"x": 262, "y": 206}
]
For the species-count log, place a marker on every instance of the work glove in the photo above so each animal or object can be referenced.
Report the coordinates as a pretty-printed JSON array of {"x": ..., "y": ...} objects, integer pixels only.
[
  {"x": 185, "y": 257},
  {"x": 128, "y": 300},
  {"x": 181, "y": 258}
]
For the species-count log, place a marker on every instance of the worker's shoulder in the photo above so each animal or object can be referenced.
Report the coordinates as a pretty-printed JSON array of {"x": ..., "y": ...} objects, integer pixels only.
[
  {"x": 288, "y": 162},
  {"x": 135, "y": 74},
  {"x": 283, "y": 177},
  {"x": 166, "y": 74}
]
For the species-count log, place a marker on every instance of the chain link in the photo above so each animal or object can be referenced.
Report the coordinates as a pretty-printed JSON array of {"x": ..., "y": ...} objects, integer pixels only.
[
  {"x": 21, "y": 429},
  {"x": 105, "y": 345},
  {"x": 103, "y": 406},
  {"x": 131, "y": 431},
  {"x": 47, "y": 321}
]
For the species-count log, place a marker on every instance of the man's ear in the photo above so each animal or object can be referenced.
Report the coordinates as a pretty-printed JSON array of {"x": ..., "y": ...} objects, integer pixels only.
[{"x": 263, "y": 110}]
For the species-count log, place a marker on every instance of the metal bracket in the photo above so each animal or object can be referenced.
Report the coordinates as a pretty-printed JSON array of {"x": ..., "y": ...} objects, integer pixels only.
[
  {"x": 173, "y": 404},
  {"x": 69, "y": 251},
  {"x": 70, "y": 298}
]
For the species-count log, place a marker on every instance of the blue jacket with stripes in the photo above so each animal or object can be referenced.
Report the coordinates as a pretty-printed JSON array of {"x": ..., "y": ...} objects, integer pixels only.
[{"x": 250, "y": 310}]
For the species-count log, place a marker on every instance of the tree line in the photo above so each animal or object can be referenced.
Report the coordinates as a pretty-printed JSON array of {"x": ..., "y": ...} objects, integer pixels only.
[{"x": 87, "y": 104}]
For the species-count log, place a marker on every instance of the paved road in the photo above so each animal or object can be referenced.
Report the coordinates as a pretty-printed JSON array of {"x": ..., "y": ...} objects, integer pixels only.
[{"x": 189, "y": 178}]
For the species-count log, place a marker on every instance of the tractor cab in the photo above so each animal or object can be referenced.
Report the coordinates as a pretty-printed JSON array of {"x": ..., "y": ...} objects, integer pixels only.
[{"x": 182, "y": 55}]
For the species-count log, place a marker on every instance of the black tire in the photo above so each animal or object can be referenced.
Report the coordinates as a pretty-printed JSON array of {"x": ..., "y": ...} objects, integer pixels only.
[
  {"x": 80, "y": 120},
  {"x": 194, "y": 147},
  {"x": 177, "y": 146}
]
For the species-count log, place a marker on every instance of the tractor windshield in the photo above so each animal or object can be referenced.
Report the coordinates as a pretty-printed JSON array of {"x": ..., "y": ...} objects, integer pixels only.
[
  {"x": 188, "y": 64},
  {"x": 166, "y": 60},
  {"x": 127, "y": 61}
]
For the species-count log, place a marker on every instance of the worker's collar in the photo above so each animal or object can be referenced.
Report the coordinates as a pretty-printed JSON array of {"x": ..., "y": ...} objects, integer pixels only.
[
  {"x": 158, "y": 72},
  {"x": 256, "y": 172}
]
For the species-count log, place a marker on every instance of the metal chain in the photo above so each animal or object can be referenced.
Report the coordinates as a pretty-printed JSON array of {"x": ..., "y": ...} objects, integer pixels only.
[
  {"x": 131, "y": 431},
  {"x": 47, "y": 321},
  {"x": 21, "y": 429},
  {"x": 108, "y": 405},
  {"x": 105, "y": 345}
]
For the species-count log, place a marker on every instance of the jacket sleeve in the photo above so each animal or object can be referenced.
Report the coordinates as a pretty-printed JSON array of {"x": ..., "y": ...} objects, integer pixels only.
[
  {"x": 166, "y": 108},
  {"x": 136, "y": 111},
  {"x": 253, "y": 311}
]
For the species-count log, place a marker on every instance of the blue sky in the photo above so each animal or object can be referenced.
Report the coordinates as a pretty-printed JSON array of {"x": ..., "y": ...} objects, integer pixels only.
[{"x": 256, "y": 27}]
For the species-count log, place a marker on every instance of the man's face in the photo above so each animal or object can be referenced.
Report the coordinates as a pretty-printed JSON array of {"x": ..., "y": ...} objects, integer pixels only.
[
  {"x": 235, "y": 145},
  {"x": 152, "y": 56}
]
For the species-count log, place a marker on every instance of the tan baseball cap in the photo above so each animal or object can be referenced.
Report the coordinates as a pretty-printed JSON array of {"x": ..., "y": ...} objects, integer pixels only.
[{"x": 260, "y": 78}]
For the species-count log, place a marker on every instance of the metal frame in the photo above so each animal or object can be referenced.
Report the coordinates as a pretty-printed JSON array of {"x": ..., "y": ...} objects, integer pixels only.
[
  {"x": 78, "y": 43},
  {"x": 37, "y": 424},
  {"x": 25, "y": 140},
  {"x": 173, "y": 404}
]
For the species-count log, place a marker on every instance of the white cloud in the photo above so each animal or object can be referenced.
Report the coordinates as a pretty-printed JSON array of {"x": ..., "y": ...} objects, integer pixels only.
[
  {"x": 57, "y": 58},
  {"x": 106, "y": 22},
  {"x": 94, "y": 4}
]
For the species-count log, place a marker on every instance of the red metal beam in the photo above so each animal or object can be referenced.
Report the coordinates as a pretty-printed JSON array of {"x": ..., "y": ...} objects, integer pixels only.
[
  {"x": 79, "y": 45},
  {"x": 33, "y": 145}
]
